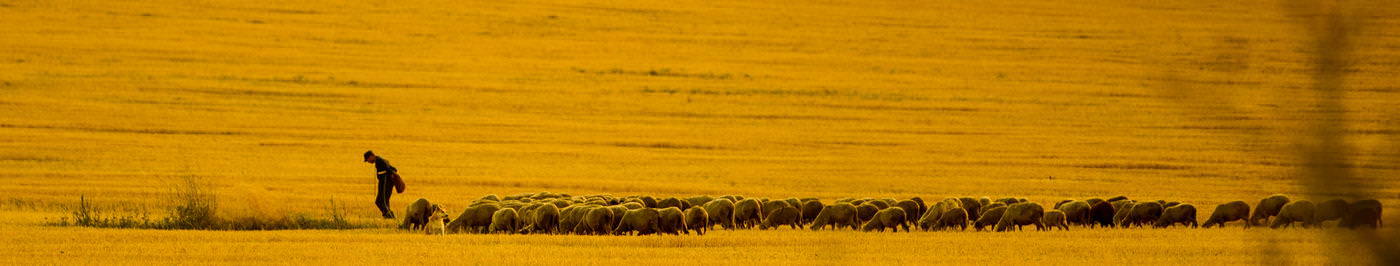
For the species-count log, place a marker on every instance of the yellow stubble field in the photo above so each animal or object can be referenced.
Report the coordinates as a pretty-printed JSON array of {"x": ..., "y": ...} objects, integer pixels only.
[{"x": 1201, "y": 102}]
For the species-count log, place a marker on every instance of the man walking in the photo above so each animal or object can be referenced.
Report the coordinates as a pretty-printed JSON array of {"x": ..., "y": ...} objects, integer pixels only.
[{"x": 386, "y": 174}]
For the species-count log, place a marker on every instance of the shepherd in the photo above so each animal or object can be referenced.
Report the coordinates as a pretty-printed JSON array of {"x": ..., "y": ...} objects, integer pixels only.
[{"x": 388, "y": 180}]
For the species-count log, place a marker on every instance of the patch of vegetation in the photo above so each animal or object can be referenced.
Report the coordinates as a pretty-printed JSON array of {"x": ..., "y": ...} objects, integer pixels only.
[{"x": 196, "y": 208}]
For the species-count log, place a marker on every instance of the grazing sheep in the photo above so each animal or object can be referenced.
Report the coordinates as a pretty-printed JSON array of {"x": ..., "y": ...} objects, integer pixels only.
[
  {"x": 1062, "y": 203},
  {"x": 1008, "y": 201},
  {"x": 672, "y": 221},
  {"x": 649, "y": 201},
  {"x": 1184, "y": 214},
  {"x": 490, "y": 197},
  {"x": 1268, "y": 207},
  {"x": 473, "y": 219},
  {"x": 644, "y": 221},
  {"x": 1228, "y": 212},
  {"x": 417, "y": 214},
  {"x": 1121, "y": 209},
  {"x": 956, "y": 217},
  {"x": 697, "y": 219},
  {"x": 1118, "y": 198},
  {"x": 633, "y": 205},
  {"x": 699, "y": 200},
  {"x": 1076, "y": 212},
  {"x": 1142, "y": 213},
  {"x": 836, "y": 215},
  {"x": 1055, "y": 219},
  {"x": 774, "y": 205},
  {"x": 1020, "y": 214},
  {"x": 505, "y": 220},
  {"x": 569, "y": 218},
  {"x": 911, "y": 209},
  {"x": 931, "y": 218},
  {"x": 1296, "y": 211},
  {"x": 1362, "y": 212},
  {"x": 617, "y": 212},
  {"x": 597, "y": 221},
  {"x": 1094, "y": 201},
  {"x": 891, "y": 218},
  {"x": 922, "y": 207},
  {"x": 810, "y": 209},
  {"x": 784, "y": 216},
  {"x": 1101, "y": 214},
  {"x": 984, "y": 202},
  {"x": 542, "y": 219},
  {"x": 721, "y": 212},
  {"x": 878, "y": 203},
  {"x": 794, "y": 202},
  {"x": 1330, "y": 210},
  {"x": 989, "y": 207},
  {"x": 748, "y": 213},
  {"x": 866, "y": 211},
  {"x": 971, "y": 206},
  {"x": 671, "y": 202},
  {"x": 990, "y": 217},
  {"x": 731, "y": 198},
  {"x": 1169, "y": 204}
]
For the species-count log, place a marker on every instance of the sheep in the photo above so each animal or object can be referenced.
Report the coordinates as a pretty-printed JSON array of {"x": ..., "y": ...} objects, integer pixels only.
[
  {"x": 1330, "y": 210},
  {"x": 570, "y": 217},
  {"x": 671, "y": 221},
  {"x": 1296, "y": 211},
  {"x": 836, "y": 215},
  {"x": 1228, "y": 212},
  {"x": 596, "y": 221},
  {"x": 1076, "y": 212},
  {"x": 721, "y": 212},
  {"x": 878, "y": 203},
  {"x": 748, "y": 213},
  {"x": 989, "y": 207},
  {"x": 956, "y": 217},
  {"x": 1094, "y": 201},
  {"x": 416, "y": 216},
  {"x": 1061, "y": 203},
  {"x": 892, "y": 218},
  {"x": 1121, "y": 210},
  {"x": 1142, "y": 213},
  {"x": 866, "y": 211},
  {"x": 1183, "y": 214},
  {"x": 634, "y": 205},
  {"x": 1118, "y": 198},
  {"x": 617, "y": 212},
  {"x": 671, "y": 202},
  {"x": 1362, "y": 212},
  {"x": 1268, "y": 207},
  {"x": 699, "y": 200},
  {"x": 697, "y": 219},
  {"x": 1101, "y": 214},
  {"x": 922, "y": 207},
  {"x": 930, "y": 218},
  {"x": 794, "y": 202},
  {"x": 784, "y": 216},
  {"x": 644, "y": 221},
  {"x": 474, "y": 219},
  {"x": 911, "y": 209},
  {"x": 990, "y": 217},
  {"x": 649, "y": 201},
  {"x": 1055, "y": 219},
  {"x": 505, "y": 220},
  {"x": 810, "y": 209},
  {"x": 774, "y": 205},
  {"x": 490, "y": 197},
  {"x": 1020, "y": 214},
  {"x": 971, "y": 206},
  {"x": 543, "y": 219}
]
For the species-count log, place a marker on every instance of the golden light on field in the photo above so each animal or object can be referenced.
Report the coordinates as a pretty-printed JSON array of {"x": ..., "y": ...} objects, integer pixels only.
[{"x": 1202, "y": 102}]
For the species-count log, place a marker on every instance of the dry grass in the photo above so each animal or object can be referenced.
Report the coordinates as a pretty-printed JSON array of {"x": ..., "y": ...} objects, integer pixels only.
[{"x": 1195, "y": 101}]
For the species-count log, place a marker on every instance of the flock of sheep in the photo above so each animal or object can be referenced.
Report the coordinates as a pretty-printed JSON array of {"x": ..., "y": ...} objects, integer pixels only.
[{"x": 550, "y": 213}]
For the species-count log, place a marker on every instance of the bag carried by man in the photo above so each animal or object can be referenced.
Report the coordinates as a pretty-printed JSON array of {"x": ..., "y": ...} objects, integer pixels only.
[{"x": 398, "y": 183}]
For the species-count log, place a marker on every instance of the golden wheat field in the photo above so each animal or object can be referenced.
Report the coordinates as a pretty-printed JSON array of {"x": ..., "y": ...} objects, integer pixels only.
[{"x": 273, "y": 102}]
